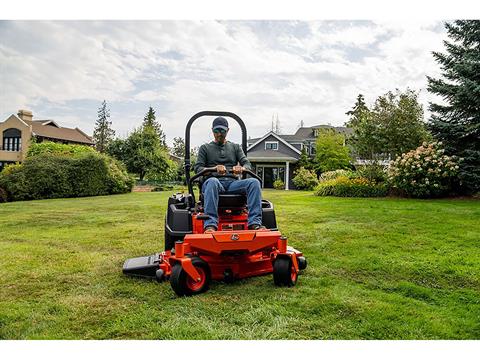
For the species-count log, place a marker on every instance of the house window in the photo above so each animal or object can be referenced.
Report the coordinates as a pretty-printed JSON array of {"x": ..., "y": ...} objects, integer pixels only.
[
  {"x": 271, "y": 145},
  {"x": 12, "y": 140}
]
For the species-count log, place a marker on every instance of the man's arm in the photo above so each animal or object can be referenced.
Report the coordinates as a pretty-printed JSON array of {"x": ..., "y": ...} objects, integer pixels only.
[
  {"x": 201, "y": 160},
  {"x": 242, "y": 159}
]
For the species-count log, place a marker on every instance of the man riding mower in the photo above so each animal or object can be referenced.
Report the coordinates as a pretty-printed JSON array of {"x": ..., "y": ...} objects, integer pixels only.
[{"x": 229, "y": 233}]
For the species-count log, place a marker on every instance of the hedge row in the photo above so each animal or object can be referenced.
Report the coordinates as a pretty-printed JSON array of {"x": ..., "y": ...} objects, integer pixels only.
[
  {"x": 49, "y": 176},
  {"x": 345, "y": 187}
]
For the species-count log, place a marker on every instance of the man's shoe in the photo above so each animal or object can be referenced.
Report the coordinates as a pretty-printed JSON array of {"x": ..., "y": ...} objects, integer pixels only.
[
  {"x": 209, "y": 229},
  {"x": 256, "y": 227}
]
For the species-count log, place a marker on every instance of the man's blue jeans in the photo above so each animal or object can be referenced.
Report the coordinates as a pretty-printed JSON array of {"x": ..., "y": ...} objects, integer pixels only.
[{"x": 212, "y": 187}]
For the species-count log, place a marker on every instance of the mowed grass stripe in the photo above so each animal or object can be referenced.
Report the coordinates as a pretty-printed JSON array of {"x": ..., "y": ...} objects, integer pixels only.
[{"x": 378, "y": 269}]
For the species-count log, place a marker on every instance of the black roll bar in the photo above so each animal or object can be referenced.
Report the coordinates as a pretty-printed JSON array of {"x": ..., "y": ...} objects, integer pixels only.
[{"x": 187, "y": 140}]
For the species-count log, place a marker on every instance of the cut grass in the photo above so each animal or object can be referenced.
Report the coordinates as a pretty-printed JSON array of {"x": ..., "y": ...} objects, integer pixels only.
[{"x": 377, "y": 269}]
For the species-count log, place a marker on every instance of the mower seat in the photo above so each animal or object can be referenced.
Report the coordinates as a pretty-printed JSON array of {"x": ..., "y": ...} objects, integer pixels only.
[{"x": 226, "y": 201}]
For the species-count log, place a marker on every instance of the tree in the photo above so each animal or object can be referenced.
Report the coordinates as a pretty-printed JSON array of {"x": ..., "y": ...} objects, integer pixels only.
[
  {"x": 178, "y": 147},
  {"x": 103, "y": 133},
  {"x": 150, "y": 121},
  {"x": 305, "y": 160},
  {"x": 393, "y": 126},
  {"x": 331, "y": 153},
  {"x": 145, "y": 153},
  {"x": 358, "y": 112},
  {"x": 456, "y": 123}
]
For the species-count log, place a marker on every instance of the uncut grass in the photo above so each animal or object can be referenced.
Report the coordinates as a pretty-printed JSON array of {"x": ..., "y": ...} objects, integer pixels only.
[{"x": 377, "y": 269}]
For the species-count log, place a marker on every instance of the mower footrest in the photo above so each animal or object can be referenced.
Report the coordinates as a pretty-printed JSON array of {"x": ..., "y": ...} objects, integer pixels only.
[{"x": 144, "y": 266}]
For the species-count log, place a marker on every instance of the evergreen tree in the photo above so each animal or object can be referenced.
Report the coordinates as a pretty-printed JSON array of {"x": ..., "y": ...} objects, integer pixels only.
[
  {"x": 456, "y": 122},
  {"x": 178, "y": 147},
  {"x": 358, "y": 112},
  {"x": 150, "y": 121},
  {"x": 305, "y": 160},
  {"x": 103, "y": 133}
]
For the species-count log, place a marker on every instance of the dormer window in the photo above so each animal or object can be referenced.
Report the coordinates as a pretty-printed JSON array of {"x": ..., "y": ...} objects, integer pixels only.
[
  {"x": 315, "y": 132},
  {"x": 271, "y": 145}
]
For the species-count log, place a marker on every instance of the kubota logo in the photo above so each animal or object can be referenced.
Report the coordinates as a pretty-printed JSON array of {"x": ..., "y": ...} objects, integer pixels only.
[{"x": 235, "y": 237}]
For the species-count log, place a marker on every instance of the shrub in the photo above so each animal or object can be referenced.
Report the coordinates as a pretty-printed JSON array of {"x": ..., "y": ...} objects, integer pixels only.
[
  {"x": 346, "y": 187},
  {"x": 3, "y": 196},
  {"x": 373, "y": 172},
  {"x": 53, "y": 148},
  {"x": 305, "y": 179},
  {"x": 331, "y": 175},
  {"x": 424, "y": 172},
  {"x": 52, "y": 176},
  {"x": 279, "y": 184}
]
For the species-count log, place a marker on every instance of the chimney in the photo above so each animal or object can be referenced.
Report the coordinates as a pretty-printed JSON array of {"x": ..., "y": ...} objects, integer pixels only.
[{"x": 25, "y": 115}]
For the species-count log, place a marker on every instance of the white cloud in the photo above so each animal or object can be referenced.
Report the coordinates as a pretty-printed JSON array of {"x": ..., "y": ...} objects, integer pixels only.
[{"x": 303, "y": 71}]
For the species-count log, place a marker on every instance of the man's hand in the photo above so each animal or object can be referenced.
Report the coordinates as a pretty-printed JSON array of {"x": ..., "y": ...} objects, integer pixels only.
[
  {"x": 237, "y": 170},
  {"x": 221, "y": 169}
]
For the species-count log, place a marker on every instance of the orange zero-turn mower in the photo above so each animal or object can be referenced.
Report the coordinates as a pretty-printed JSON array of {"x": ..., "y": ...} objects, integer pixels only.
[{"x": 192, "y": 259}]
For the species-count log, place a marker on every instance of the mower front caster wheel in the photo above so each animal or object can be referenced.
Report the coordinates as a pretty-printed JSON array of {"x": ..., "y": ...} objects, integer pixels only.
[
  {"x": 284, "y": 273},
  {"x": 184, "y": 285}
]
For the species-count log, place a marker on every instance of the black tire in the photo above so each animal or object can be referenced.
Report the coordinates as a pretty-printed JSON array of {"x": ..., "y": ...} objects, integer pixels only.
[
  {"x": 302, "y": 263},
  {"x": 283, "y": 272},
  {"x": 183, "y": 285}
]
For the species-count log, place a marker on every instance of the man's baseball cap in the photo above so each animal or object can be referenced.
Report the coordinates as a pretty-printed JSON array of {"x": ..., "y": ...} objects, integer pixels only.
[{"x": 220, "y": 123}]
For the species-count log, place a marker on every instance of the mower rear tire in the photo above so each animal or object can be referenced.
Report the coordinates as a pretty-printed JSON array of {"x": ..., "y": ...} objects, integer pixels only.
[
  {"x": 284, "y": 273},
  {"x": 184, "y": 285}
]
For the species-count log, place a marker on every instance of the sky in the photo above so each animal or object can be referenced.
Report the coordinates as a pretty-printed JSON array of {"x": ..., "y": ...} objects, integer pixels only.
[{"x": 310, "y": 71}]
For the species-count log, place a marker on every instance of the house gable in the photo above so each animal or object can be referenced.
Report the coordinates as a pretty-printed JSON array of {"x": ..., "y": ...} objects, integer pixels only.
[{"x": 272, "y": 137}]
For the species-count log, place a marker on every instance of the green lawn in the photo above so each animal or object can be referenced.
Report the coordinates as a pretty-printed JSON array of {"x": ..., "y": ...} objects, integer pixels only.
[{"x": 378, "y": 269}]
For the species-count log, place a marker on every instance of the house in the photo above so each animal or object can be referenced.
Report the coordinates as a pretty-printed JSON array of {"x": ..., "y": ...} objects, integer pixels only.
[
  {"x": 274, "y": 156},
  {"x": 17, "y": 131}
]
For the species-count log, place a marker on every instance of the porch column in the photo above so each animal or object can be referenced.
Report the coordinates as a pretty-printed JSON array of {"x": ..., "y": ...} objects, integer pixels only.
[{"x": 287, "y": 171}]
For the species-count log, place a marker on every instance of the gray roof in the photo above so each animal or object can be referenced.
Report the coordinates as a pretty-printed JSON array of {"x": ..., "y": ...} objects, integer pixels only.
[
  {"x": 270, "y": 154},
  {"x": 306, "y": 133}
]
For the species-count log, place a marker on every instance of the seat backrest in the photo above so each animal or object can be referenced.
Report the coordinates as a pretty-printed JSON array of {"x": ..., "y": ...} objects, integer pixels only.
[{"x": 232, "y": 201}]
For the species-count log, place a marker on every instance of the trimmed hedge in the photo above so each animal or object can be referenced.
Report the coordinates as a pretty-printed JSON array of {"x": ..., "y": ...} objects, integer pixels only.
[
  {"x": 345, "y": 187},
  {"x": 48, "y": 176},
  {"x": 53, "y": 148}
]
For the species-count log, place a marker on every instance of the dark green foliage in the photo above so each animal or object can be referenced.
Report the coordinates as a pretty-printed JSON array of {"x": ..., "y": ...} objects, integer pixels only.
[
  {"x": 103, "y": 133},
  {"x": 305, "y": 161},
  {"x": 456, "y": 123},
  {"x": 373, "y": 172},
  {"x": 3, "y": 195},
  {"x": 48, "y": 176},
  {"x": 178, "y": 147},
  {"x": 53, "y": 148},
  {"x": 150, "y": 120},
  {"x": 305, "y": 179},
  {"x": 143, "y": 154}
]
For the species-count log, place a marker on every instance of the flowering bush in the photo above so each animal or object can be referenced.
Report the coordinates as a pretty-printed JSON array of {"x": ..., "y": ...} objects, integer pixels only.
[
  {"x": 305, "y": 179},
  {"x": 279, "y": 184},
  {"x": 350, "y": 187},
  {"x": 331, "y": 175},
  {"x": 423, "y": 172}
]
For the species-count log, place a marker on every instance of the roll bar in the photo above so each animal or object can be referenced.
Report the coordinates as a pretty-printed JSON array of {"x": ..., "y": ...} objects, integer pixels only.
[{"x": 187, "y": 139}]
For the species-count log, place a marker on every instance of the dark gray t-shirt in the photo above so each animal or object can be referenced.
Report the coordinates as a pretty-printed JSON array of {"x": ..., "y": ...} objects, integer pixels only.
[{"x": 228, "y": 154}]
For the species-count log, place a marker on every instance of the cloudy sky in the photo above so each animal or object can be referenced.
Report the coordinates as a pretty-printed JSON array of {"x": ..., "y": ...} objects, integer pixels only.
[{"x": 300, "y": 70}]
